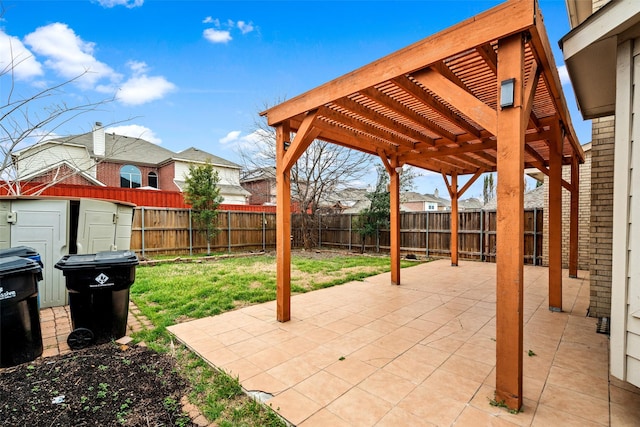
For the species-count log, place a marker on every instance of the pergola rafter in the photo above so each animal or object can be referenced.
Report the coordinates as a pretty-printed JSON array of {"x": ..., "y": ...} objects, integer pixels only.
[{"x": 438, "y": 105}]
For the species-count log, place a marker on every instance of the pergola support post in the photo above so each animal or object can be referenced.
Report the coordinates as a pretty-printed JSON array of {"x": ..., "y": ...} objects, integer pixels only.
[
  {"x": 555, "y": 221},
  {"x": 394, "y": 218},
  {"x": 573, "y": 224},
  {"x": 453, "y": 192},
  {"x": 283, "y": 226},
  {"x": 510, "y": 227}
]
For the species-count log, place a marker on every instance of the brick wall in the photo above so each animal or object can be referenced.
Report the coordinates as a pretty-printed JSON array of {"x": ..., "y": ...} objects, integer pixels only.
[
  {"x": 584, "y": 215},
  {"x": 63, "y": 174},
  {"x": 109, "y": 174},
  {"x": 601, "y": 215},
  {"x": 260, "y": 192}
]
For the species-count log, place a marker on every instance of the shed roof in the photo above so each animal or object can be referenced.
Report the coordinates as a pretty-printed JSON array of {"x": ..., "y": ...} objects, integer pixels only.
[{"x": 433, "y": 104}]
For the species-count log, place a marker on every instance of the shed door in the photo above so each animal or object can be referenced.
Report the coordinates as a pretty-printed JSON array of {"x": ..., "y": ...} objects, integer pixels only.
[
  {"x": 43, "y": 225},
  {"x": 124, "y": 220},
  {"x": 96, "y": 226},
  {"x": 5, "y": 224}
]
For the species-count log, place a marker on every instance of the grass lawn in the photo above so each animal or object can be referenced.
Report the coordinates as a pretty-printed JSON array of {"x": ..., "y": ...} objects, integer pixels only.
[{"x": 171, "y": 293}]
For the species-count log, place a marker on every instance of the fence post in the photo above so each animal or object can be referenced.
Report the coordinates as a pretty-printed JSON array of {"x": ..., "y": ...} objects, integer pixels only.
[
  {"x": 142, "y": 232},
  {"x": 264, "y": 232},
  {"x": 319, "y": 230},
  {"x": 426, "y": 242},
  {"x": 535, "y": 236},
  {"x": 350, "y": 221},
  {"x": 190, "y": 234},
  {"x": 482, "y": 235},
  {"x": 229, "y": 231},
  {"x": 377, "y": 240}
]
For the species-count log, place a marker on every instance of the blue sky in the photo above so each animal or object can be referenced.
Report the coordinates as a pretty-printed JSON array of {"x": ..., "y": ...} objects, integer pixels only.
[{"x": 196, "y": 73}]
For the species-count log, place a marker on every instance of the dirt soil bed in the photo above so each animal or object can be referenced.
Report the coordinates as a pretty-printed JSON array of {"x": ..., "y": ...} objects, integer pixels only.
[{"x": 105, "y": 385}]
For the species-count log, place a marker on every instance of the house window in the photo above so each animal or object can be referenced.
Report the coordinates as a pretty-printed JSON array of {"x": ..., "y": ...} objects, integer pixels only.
[
  {"x": 153, "y": 179},
  {"x": 130, "y": 177}
]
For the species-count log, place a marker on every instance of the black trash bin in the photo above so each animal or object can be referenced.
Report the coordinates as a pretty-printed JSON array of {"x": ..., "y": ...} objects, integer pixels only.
[
  {"x": 22, "y": 252},
  {"x": 98, "y": 286},
  {"x": 20, "y": 334}
]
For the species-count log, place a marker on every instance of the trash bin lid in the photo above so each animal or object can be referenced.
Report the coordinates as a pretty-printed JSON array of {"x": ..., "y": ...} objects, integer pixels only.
[
  {"x": 97, "y": 260},
  {"x": 22, "y": 251},
  {"x": 14, "y": 265}
]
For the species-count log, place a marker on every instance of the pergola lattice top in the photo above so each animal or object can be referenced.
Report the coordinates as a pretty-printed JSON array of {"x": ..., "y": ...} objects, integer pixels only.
[{"x": 433, "y": 104}]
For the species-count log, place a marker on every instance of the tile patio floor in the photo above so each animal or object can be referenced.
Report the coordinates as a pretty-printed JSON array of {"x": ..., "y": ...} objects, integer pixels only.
[{"x": 420, "y": 354}]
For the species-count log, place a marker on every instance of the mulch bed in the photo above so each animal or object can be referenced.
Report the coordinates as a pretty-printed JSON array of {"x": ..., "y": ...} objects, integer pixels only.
[{"x": 104, "y": 385}]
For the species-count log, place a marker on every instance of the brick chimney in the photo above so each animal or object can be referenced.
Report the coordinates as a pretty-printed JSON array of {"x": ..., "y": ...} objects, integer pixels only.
[{"x": 98, "y": 140}]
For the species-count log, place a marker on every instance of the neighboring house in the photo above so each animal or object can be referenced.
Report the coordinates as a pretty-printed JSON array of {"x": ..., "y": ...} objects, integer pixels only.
[
  {"x": 602, "y": 54},
  {"x": 261, "y": 185},
  {"x": 533, "y": 199},
  {"x": 416, "y": 202},
  {"x": 110, "y": 160},
  {"x": 346, "y": 201}
]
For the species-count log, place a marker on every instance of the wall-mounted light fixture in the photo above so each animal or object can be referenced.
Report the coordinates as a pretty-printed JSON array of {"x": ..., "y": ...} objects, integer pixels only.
[
  {"x": 286, "y": 144},
  {"x": 507, "y": 93},
  {"x": 399, "y": 170}
]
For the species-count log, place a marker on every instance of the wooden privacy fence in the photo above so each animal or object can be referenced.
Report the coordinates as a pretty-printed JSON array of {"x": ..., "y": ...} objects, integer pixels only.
[{"x": 171, "y": 231}]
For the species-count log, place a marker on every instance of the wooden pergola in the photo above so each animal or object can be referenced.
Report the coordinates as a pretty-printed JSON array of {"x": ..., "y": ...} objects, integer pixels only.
[{"x": 481, "y": 96}]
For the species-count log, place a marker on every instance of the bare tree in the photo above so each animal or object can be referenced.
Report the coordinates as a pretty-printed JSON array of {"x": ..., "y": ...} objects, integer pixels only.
[
  {"x": 322, "y": 169},
  {"x": 27, "y": 119}
]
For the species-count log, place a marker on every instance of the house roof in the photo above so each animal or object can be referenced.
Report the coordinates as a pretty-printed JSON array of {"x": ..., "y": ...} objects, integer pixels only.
[
  {"x": 193, "y": 154},
  {"x": 120, "y": 148},
  {"x": 260, "y": 174},
  {"x": 590, "y": 51}
]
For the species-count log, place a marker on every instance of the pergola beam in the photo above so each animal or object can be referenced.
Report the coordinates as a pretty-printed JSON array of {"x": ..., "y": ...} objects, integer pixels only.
[{"x": 468, "y": 104}]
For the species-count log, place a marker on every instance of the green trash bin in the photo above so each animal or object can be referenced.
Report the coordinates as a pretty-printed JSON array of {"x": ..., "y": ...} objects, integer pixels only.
[
  {"x": 20, "y": 333},
  {"x": 98, "y": 286}
]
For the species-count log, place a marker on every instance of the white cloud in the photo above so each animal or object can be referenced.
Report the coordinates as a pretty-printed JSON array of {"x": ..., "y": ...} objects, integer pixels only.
[
  {"x": 210, "y": 20},
  {"x": 564, "y": 75},
  {"x": 130, "y": 4},
  {"x": 68, "y": 55},
  {"x": 231, "y": 136},
  {"x": 142, "y": 89},
  {"x": 245, "y": 27},
  {"x": 135, "y": 131},
  {"x": 15, "y": 57},
  {"x": 217, "y": 36},
  {"x": 138, "y": 67}
]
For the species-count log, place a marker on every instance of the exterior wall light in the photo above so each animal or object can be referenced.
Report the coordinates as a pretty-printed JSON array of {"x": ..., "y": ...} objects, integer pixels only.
[
  {"x": 399, "y": 170},
  {"x": 507, "y": 93}
]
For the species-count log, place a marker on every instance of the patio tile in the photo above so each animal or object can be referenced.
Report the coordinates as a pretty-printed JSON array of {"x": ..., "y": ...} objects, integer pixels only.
[
  {"x": 351, "y": 370},
  {"x": 432, "y": 406},
  {"x": 580, "y": 382},
  {"x": 264, "y": 382},
  {"x": 294, "y": 406},
  {"x": 549, "y": 416},
  {"x": 323, "y": 387},
  {"x": 269, "y": 358},
  {"x": 486, "y": 394},
  {"x": 455, "y": 387},
  {"x": 399, "y": 417},
  {"x": 574, "y": 403},
  {"x": 387, "y": 386},
  {"x": 358, "y": 398},
  {"x": 375, "y": 355},
  {"x": 472, "y": 417},
  {"x": 324, "y": 418},
  {"x": 293, "y": 371},
  {"x": 467, "y": 368},
  {"x": 241, "y": 369}
]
